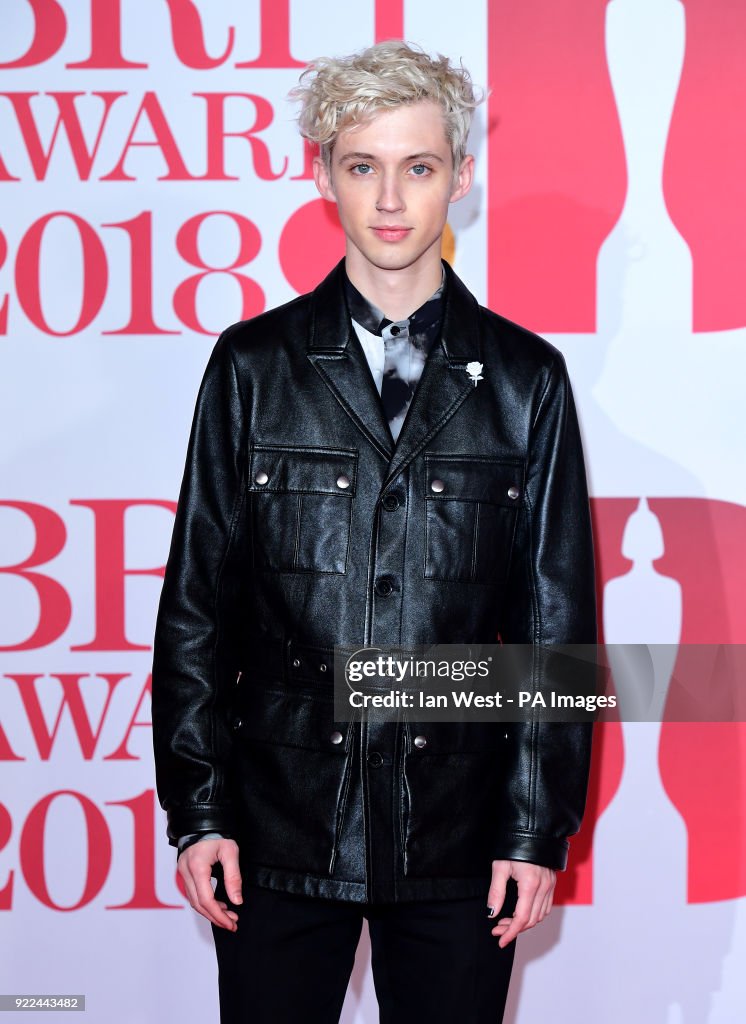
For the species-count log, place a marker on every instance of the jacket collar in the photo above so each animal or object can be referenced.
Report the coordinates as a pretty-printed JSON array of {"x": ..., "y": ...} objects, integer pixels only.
[{"x": 336, "y": 353}]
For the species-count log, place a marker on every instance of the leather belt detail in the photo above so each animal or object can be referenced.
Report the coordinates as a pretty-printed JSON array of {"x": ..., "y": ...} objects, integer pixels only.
[{"x": 289, "y": 661}]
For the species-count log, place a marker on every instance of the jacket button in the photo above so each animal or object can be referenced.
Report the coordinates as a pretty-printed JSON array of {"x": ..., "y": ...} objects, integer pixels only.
[
  {"x": 375, "y": 759},
  {"x": 336, "y": 736},
  {"x": 384, "y": 586},
  {"x": 296, "y": 662},
  {"x": 420, "y": 741},
  {"x": 513, "y": 492},
  {"x": 237, "y": 723},
  {"x": 343, "y": 480},
  {"x": 437, "y": 486},
  {"x": 322, "y": 667},
  {"x": 390, "y": 502},
  {"x": 261, "y": 477}
]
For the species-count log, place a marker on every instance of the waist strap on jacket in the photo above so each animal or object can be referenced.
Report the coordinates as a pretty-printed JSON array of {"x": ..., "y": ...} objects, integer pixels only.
[{"x": 288, "y": 661}]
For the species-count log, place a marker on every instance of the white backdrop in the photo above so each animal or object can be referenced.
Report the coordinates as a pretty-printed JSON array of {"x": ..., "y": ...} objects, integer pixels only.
[{"x": 608, "y": 214}]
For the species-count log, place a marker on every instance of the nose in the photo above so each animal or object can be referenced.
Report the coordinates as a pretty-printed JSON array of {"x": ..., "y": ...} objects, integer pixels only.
[{"x": 389, "y": 198}]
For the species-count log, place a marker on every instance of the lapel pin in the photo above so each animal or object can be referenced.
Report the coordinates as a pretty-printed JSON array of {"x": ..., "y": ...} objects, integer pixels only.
[{"x": 475, "y": 372}]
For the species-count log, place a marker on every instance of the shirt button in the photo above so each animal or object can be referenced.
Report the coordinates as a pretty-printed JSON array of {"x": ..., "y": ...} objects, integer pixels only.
[
  {"x": 437, "y": 486},
  {"x": 384, "y": 586},
  {"x": 261, "y": 477},
  {"x": 374, "y": 759},
  {"x": 390, "y": 502},
  {"x": 395, "y": 330}
]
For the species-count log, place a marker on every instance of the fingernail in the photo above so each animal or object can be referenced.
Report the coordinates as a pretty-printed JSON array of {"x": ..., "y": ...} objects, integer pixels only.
[
  {"x": 490, "y": 911},
  {"x": 237, "y": 898}
]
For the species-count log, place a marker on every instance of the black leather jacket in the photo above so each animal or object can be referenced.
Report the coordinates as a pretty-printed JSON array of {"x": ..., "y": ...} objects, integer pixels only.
[{"x": 301, "y": 525}]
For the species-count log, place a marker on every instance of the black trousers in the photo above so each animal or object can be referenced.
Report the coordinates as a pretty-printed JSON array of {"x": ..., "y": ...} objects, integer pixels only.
[{"x": 291, "y": 959}]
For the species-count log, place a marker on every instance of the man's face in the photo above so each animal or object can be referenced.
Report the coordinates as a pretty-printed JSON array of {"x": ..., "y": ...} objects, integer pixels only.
[{"x": 392, "y": 181}]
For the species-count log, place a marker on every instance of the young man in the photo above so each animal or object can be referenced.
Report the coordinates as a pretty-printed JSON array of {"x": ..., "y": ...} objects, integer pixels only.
[{"x": 381, "y": 461}]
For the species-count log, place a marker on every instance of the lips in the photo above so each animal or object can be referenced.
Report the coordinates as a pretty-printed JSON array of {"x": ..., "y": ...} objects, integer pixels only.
[{"x": 391, "y": 234}]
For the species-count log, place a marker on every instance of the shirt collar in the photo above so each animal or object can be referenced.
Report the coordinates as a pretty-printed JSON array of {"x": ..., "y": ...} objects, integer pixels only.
[{"x": 424, "y": 321}]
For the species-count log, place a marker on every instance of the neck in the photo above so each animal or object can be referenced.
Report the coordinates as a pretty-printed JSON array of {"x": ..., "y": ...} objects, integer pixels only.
[{"x": 397, "y": 293}]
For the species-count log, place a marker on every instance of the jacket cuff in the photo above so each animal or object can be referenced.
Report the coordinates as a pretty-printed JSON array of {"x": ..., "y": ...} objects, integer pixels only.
[
  {"x": 546, "y": 851},
  {"x": 200, "y": 818}
]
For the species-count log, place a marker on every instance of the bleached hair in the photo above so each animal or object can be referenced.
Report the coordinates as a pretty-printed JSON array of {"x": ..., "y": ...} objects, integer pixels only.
[{"x": 339, "y": 93}]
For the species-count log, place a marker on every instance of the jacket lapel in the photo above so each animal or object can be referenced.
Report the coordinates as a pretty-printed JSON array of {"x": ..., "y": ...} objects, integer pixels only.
[{"x": 336, "y": 353}]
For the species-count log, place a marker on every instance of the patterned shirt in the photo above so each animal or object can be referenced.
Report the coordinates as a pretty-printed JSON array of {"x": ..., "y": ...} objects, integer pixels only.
[{"x": 396, "y": 350}]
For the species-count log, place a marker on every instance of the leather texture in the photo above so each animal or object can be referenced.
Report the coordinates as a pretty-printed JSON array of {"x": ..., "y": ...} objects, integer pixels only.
[{"x": 300, "y": 524}]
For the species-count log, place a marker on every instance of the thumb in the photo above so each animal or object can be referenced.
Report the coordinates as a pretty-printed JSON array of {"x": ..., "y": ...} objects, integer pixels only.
[
  {"x": 231, "y": 873},
  {"x": 496, "y": 894}
]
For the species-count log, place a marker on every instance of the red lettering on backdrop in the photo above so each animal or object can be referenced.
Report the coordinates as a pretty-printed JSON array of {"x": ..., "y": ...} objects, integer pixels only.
[
  {"x": 106, "y": 38},
  {"x": 389, "y": 22},
  {"x": 140, "y": 231},
  {"x": 703, "y": 764},
  {"x": 68, "y": 122},
  {"x": 111, "y": 572},
  {"x": 704, "y": 178},
  {"x": 72, "y": 700},
  {"x": 189, "y": 39},
  {"x": 185, "y": 296},
  {"x": 575, "y": 885},
  {"x": 95, "y": 274},
  {"x": 55, "y": 607},
  {"x": 50, "y": 29},
  {"x": 164, "y": 141},
  {"x": 274, "y": 41},
  {"x": 6, "y": 830},
  {"x": 313, "y": 227},
  {"x": 217, "y": 134},
  {"x": 557, "y": 176},
  {"x": 122, "y": 753},
  {"x": 144, "y": 896},
  {"x": 98, "y": 860},
  {"x": 6, "y": 297}
]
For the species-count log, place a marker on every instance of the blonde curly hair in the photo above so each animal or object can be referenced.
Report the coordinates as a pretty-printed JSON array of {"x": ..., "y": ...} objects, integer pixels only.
[{"x": 338, "y": 93}]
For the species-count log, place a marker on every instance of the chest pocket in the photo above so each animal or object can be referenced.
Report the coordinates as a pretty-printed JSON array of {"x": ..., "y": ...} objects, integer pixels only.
[
  {"x": 471, "y": 507},
  {"x": 301, "y": 507}
]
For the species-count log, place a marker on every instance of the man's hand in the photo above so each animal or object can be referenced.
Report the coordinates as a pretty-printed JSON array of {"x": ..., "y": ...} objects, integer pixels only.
[
  {"x": 195, "y": 867},
  {"x": 535, "y": 893}
]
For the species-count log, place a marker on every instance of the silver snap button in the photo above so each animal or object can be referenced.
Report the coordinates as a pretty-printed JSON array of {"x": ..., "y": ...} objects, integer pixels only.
[
  {"x": 343, "y": 480},
  {"x": 261, "y": 477},
  {"x": 437, "y": 486},
  {"x": 322, "y": 667},
  {"x": 336, "y": 736},
  {"x": 296, "y": 662},
  {"x": 513, "y": 492},
  {"x": 420, "y": 741}
]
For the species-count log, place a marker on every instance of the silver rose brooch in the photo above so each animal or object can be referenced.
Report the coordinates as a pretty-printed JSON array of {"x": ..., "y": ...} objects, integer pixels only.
[{"x": 475, "y": 372}]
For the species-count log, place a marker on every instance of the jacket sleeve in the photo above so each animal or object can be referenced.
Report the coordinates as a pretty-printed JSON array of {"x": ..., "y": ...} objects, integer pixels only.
[
  {"x": 551, "y": 599},
  {"x": 195, "y": 660}
]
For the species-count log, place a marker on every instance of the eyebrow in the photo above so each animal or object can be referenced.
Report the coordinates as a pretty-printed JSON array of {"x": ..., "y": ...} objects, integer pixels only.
[{"x": 406, "y": 159}]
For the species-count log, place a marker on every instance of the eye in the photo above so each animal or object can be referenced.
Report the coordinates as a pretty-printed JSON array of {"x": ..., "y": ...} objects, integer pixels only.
[
  {"x": 361, "y": 168},
  {"x": 420, "y": 170}
]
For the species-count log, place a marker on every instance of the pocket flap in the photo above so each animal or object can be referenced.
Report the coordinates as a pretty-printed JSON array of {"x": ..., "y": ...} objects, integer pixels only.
[
  {"x": 289, "y": 719},
  {"x": 475, "y": 478},
  {"x": 310, "y": 470}
]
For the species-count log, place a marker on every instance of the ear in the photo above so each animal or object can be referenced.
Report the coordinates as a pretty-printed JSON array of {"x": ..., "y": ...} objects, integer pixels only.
[
  {"x": 323, "y": 179},
  {"x": 464, "y": 179}
]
